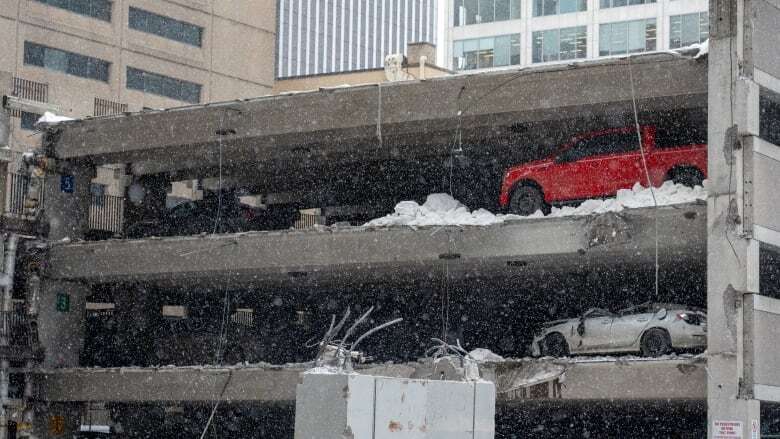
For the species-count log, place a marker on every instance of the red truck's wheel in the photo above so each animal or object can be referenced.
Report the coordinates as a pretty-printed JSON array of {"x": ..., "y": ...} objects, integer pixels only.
[
  {"x": 687, "y": 176},
  {"x": 526, "y": 200}
]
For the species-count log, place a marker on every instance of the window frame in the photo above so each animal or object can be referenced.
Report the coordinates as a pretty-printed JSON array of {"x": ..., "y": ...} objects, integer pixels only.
[
  {"x": 94, "y": 8},
  {"x": 462, "y": 52},
  {"x": 68, "y": 62},
  {"x": 702, "y": 28},
  {"x": 474, "y": 15},
  {"x": 170, "y": 28},
  {"x": 546, "y": 8},
  {"x": 610, "y": 35},
  {"x": 544, "y": 52},
  {"x": 155, "y": 83}
]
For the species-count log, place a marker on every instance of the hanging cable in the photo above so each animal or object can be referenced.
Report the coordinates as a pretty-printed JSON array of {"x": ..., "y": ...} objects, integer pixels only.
[
  {"x": 219, "y": 186},
  {"x": 379, "y": 116},
  {"x": 647, "y": 172}
]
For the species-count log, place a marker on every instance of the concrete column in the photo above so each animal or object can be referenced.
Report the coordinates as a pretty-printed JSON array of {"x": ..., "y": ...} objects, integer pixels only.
[
  {"x": 66, "y": 201},
  {"x": 57, "y": 421},
  {"x": 732, "y": 256},
  {"x": 61, "y": 322}
]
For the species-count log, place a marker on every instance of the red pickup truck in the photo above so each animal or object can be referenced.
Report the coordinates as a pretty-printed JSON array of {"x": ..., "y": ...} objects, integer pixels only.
[{"x": 598, "y": 164}]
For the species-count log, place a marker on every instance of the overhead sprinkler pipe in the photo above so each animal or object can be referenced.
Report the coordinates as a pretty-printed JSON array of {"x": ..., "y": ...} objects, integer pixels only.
[{"x": 9, "y": 257}]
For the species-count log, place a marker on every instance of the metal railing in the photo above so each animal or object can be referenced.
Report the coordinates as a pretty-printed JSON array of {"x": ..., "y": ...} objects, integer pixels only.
[
  {"x": 31, "y": 90},
  {"x": 106, "y": 213},
  {"x": 104, "y": 107},
  {"x": 18, "y": 328},
  {"x": 16, "y": 194},
  {"x": 306, "y": 221}
]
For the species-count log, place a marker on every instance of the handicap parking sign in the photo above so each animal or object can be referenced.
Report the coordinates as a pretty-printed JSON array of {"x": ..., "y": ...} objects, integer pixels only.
[{"x": 67, "y": 184}]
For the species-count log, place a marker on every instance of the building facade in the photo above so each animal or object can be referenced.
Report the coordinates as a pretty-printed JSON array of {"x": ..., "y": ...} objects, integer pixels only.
[
  {"x": 331, "y": 36},
  {"x": 98, "y": 57},
  {"x": 485, "y": 34}
]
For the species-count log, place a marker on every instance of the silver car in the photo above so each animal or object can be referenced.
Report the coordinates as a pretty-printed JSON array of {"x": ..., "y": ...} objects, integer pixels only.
[{"x": 652, "y": 329}]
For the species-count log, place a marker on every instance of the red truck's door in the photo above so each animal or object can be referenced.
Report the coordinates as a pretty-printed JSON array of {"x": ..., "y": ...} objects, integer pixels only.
[{"x": 599, "y": 165}]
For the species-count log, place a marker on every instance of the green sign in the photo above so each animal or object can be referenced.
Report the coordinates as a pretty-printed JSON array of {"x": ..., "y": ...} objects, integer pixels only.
[{"x": 63, "y": 302}]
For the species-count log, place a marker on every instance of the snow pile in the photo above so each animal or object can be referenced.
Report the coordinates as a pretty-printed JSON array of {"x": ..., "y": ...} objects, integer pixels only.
[
  {"x": 704, "y": 48},
  {"x": 483, "y": 355},
  {"x": 443, "y": 210},
  {"x": 638, "y": 196},
  {"x": 51, "y": 118},
  {"x": 438, "y": 210}
]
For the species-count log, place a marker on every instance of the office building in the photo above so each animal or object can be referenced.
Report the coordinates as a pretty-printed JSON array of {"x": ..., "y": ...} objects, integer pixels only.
[
  {"x": 332, "y": 36},
  {"x": 485, "y": 34}
]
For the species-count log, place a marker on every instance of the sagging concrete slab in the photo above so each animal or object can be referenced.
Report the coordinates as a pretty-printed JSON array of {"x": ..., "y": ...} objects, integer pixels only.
[
  {"x": 582, "y": 378},
  {"x": 411, "y": 120},
  {"x": 314, "y": 257}
]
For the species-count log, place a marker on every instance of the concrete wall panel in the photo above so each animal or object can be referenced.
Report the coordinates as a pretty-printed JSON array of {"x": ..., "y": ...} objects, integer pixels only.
[{"x": 765, "y": 39}]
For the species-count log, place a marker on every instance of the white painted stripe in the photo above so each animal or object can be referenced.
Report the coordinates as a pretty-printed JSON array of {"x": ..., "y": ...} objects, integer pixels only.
[
  {"x": 376, "y": 28},
  {"x": 317, "y": 36},
  {"x": 382, "y": 36},
  {"x": 766, "y": 80},
  {"x": 430, "y": 19},
  {"x": 397, "y": 29},
  {"x": 308, "y": 32},
  {"x": 763, "y": 392},
  {"x": 419, "y": 22},
  {"x": 350, "y": 33},
  {"x": 414, "y": 21},
  {"x": 341, "y": 40},
  {"x": 406, "y": 23},
  {"x": 359, "y": 63},
  {"x": 290, "y": 41},
  {"x": 766, "y": 235},
  {"x": 333, "y": 39},
  {"x": 765, "y": 148},
  {"x": 280, "y": 50},
  {"x": 299, "y": 45}
]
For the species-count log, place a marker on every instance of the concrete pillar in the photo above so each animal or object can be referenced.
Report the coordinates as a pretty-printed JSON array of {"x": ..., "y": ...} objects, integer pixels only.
[
  {"x": 732, "y": 254},
  {"x": 66, "y": 201},
  {"x": 57, "y": 421},
  {"x": 61, "y": 322}
]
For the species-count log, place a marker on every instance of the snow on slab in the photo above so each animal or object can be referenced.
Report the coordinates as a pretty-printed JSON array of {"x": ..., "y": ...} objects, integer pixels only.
[
  {"x": 482, "y": 355},
  {"x": 51, "y": 118},
  {"x": 444, "y": 210}
]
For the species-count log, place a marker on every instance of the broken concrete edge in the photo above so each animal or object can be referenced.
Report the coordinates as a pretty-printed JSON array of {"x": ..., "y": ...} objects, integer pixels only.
[{"x": 640, "y": 211}]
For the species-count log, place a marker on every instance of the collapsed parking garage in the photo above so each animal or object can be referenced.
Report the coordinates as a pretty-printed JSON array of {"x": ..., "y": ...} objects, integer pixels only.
[{"x": 247, "y": 303}]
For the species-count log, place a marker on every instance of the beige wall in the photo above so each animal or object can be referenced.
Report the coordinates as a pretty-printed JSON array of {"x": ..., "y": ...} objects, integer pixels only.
[
  {"x": 236, "y": 59},
  {"x": 305, "y": 83}
]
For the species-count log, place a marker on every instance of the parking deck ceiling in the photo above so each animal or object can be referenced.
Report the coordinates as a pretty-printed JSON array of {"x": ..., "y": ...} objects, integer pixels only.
[{"x": 415, "y": 120}]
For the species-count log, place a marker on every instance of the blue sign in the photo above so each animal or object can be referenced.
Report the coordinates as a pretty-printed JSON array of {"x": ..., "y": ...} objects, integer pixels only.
[{"x": 67, "y": 184}]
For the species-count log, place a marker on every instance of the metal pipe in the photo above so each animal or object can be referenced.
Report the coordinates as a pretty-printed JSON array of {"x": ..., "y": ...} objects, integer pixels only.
[{"x": 9, "y": 257}]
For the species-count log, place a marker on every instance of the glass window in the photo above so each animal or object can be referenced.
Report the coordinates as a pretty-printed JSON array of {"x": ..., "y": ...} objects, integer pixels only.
[
  {"x": 472, "y": 10},
  {"x": 165, "y": 27},
  {"x": 66, "y": 62},
  {"x": 560, "y": 44},
  {"x": 501, "y": 53},
  {"x": 486, "y": 11},
  {"x": 467, "y": 12},
  {"x": 618, "y": 3},
  {"x": 688, "y": 29},
  {"x": 486, "y": 52},
  {"x": 627, "y": 37},
  {"x": 611, "y": 143},
  {"x": 554, "y": 7},
  {"x": 100, "y": 9},
  {"x": 161, "y": 85},
  {"x": 502, "y": 10}
]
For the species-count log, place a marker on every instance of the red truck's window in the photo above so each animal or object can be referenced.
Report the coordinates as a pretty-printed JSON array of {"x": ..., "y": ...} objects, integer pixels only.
[{"x": 612, "y": 143}]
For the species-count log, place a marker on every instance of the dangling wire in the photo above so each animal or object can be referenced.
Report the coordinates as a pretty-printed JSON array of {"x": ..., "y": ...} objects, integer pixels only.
[
  {"x": 647, "y": 172},
  {"x": 219, "y": 187}
]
